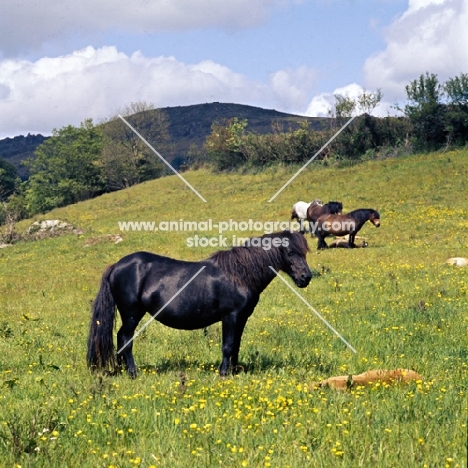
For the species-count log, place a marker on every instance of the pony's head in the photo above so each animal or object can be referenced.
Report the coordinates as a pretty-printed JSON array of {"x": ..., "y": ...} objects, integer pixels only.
[
  {"x": 250, "y": 263},
  {"x": 293, "y": 251},
  {"x": 374, "y": 218}
]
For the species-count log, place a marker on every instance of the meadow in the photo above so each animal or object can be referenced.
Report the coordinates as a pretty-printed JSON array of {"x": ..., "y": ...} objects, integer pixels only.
[{"x": 397, "y": 302}]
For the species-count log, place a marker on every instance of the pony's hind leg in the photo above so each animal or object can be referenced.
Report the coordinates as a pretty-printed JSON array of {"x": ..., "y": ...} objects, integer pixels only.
[
  {"x": 301, "y": 226},
  {"x": 125, "y": 337}
]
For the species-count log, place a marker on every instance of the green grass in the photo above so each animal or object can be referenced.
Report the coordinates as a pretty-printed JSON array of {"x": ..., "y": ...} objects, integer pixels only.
[{"x": 396, "y": 302}]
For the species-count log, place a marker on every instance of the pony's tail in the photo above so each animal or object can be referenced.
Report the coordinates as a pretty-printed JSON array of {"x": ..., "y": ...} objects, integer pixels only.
[{"x": 101, "y": 352}]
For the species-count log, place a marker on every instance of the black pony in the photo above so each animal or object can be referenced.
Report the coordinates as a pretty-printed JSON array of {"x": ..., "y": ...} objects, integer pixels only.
[{"x": 224, "y": 287}]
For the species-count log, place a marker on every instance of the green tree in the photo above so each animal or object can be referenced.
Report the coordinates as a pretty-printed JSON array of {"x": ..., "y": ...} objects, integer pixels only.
[
  {"x": 456, "y": 90},
  {"x": 367, "y": 101},
  {"x": 355, "y": 140},
  {"x": 426, "y": 111},
  {"x": 224, "y": 145},
  {"x": 8, "y": 179},
  {"x": 66, "y": 169},
  {"x": 344, "y": 106},
  {"x": 364, "y": 103},
  {"x": 126, "y": 159}
]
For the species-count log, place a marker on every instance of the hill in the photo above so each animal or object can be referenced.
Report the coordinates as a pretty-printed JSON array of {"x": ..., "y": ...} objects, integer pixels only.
[
  {"x": 189, "y": 125},
  {"x": 192, "y": 124},
  {"x": 18, "y": 149},
  {"x": 397, "y": 303}
]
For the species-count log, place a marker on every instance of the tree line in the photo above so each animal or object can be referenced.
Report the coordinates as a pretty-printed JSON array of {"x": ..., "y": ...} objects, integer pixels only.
[
  {"x": 434, "y": 117},
  {"x": 78, "y": 163}
]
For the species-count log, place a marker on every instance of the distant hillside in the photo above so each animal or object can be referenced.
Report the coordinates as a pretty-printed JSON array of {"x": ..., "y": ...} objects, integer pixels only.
[
  {"x": 188, "y": 125},
  {"x": 192, "y": 124},
  {"x": 17, "y": 149}
]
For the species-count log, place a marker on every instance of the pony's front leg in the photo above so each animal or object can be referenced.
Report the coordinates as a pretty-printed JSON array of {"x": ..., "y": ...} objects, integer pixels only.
[
  {"x": 321, "y": 241},
  {"x": 351, "y": 244},
  {"x": 233, "y": 327}
]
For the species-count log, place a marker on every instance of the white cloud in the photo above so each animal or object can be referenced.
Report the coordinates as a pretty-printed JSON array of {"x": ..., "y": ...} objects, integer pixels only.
[
  {"x": 323, "y": 104},
  {"x": 432, "y": 36},
  {"x": 36, "y": 97},
  {"x": 26, "y": 26},
  {"x": 292, "y": 87},
  {"x": 415, "y": 5}
]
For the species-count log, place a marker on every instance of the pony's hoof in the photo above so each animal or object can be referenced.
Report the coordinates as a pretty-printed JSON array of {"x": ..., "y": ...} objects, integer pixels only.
[{"x": 238, "y": 369}]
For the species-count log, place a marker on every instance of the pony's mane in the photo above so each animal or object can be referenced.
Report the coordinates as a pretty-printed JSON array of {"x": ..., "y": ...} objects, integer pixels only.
[
  {"x": 364, "y": 210},
  {"x": 248, "y": 265},
  {"x": 332, "y": 207}
]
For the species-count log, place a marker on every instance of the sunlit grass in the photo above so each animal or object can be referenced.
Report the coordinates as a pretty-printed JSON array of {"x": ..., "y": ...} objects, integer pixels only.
[{"x": 396, "y": 302}]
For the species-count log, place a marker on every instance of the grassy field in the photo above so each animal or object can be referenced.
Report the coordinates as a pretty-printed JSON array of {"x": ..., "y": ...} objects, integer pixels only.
[{"x": 397, "y": 302}]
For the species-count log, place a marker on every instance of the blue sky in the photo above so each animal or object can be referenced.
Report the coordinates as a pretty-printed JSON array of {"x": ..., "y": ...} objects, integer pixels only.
[
  {"x": 62, "y": 62},
  {"x": 334, "y": 39}
]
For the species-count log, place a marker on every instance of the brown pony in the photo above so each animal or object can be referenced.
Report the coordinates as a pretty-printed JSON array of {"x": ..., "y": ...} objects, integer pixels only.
[
  {"x": 316, "y": 210},
  {"x": 340, "y": 225}
]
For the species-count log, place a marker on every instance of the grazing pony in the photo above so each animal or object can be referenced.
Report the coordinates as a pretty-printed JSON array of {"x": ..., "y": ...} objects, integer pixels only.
[
  {"x": 190, "y": 295},
  {"x": 340, "y": 225},
  {"x": 315, "y": 211}
]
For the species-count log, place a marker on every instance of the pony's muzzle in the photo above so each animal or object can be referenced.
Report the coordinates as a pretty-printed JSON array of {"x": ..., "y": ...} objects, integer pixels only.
[{"x": 304, "y": 279}]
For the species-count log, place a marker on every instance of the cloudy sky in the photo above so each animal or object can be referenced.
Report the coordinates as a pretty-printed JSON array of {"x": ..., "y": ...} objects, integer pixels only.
[{"x": 63, "y": 62}]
